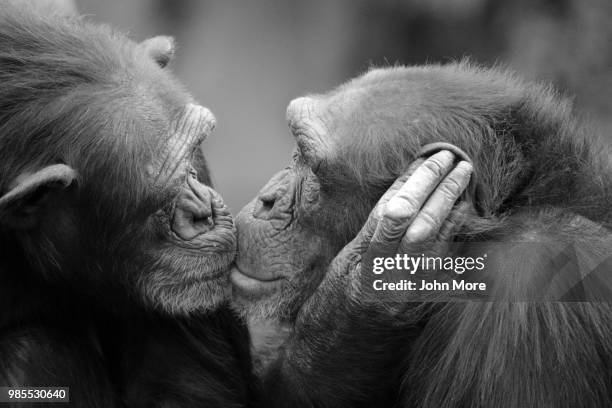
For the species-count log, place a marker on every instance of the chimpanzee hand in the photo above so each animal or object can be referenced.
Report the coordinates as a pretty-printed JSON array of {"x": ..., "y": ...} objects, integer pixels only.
[
  {"x": 417, "y": 211},
  {"x": 340, "y": 326},
  {"x": 417, "y": 215}
]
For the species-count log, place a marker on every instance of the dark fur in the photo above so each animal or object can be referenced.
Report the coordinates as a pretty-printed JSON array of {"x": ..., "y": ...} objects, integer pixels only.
[
  {"x": 542, "y": 176},
  {"x": 70, "y": 91}
]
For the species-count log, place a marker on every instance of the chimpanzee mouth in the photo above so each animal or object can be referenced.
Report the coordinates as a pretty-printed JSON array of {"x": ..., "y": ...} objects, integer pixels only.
[
  {"x": 210, "y": 275},
  {"x": 251, "y": 284},
  {"x": 192, "y": 267}
]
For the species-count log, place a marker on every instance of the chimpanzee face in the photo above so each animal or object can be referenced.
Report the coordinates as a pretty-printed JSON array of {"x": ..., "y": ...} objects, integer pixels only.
[
  {"x": 307, "y": 212},
  {"x": 186, "y": 237},
  {"x": 117, "y": 199},
  {"x": 352, "y": 143},
  {"x": 192, "y": 237}
]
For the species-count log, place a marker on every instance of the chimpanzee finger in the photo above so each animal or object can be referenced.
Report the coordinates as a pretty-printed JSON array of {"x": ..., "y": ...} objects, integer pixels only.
[
  {"x": 366, "y": 233},
  {"x": 401, "y": 209},
  {"x": 395, "y": 188},
  {"x": 439, "y": 243},
  {"x": 436, "y": 210},
  {"x": 455, "y": 220}
]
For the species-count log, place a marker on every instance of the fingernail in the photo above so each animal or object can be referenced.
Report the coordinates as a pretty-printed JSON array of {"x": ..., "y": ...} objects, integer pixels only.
[
  {"x": 398, "y": 209},
  {"x": 444, "y": 155},
  {"x": 467, "y": 166},
  {"x": 418, "y": 231}
]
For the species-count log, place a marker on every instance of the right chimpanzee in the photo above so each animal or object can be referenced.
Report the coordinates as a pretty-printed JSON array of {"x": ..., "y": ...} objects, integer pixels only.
[
  {"x": 540, "y": 191},
  {"x": 114, "y": 247}
]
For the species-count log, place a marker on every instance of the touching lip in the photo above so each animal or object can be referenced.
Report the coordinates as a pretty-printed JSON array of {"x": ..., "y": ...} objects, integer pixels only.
[{"x": 250, "y": 284}]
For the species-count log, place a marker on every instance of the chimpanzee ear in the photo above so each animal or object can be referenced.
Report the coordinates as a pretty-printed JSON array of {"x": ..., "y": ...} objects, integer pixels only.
[
  {"x": 160, "y": 48},
  {"x": 20, "y": 206}
]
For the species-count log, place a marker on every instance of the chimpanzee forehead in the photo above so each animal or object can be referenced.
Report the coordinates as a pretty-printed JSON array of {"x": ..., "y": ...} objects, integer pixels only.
[
  {"x": 359, "y": 127},
  {"x": 357, "y": 109}
]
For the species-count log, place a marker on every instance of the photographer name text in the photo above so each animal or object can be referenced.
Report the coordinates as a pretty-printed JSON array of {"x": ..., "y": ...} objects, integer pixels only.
[
  {"x": 422, "y": 285},
  {"x": 411, "y": 265}
]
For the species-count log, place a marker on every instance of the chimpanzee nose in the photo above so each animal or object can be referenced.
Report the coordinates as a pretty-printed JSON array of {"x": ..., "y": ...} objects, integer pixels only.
[
  {"x": 264, "y": 208},
  {"x": 193, "y": 213},
  {"x": 276, "y": 198}
]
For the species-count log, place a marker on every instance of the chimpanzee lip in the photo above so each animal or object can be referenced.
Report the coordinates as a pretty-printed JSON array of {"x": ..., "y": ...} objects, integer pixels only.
[
  {"x": 250, "y": 285},
  {"x": 212, "y": 276},
  {"x": 205, "y": 275},
  {"x": 200, "y": 272},
  {"x": 254, "y": 276}
]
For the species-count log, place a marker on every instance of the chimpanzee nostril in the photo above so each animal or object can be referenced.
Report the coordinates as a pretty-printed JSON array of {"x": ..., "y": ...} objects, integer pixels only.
[
  {"x": 205, "y": 222},
  {"x": 267, "y": 204},
  {"x": 193, "y": 213},
  {"x": 264, "y": 207},
  {"x": 276, "y": 199}
]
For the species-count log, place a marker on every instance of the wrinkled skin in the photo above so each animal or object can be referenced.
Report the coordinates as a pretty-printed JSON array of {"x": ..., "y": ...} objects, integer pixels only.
[
  {"x": 194, "y": 233},
  {"x": 296, "y": 253}
]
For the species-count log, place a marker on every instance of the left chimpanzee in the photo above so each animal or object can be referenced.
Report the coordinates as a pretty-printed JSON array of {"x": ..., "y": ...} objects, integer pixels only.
[{"x": 112, "y": 240}]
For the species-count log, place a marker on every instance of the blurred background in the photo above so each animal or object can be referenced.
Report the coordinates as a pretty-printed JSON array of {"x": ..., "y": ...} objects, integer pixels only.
[{"x": 246, "y": 60}]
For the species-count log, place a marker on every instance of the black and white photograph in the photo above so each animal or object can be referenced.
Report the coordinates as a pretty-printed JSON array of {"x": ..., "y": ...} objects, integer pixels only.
[{"x": 306, "y": 204}]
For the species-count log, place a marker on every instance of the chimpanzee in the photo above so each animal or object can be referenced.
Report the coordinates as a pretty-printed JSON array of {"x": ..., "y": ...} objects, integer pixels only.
[
  {"x": 538, "y": 204},
  {"x": 114, "y": 246}
]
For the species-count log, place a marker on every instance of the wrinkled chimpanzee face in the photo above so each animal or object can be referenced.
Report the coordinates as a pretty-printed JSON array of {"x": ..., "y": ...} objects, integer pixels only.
[
  {"x": 117, "y": 200},
  {"x": 352, "y": 143},
  {"x": 308, "y": 211},
  {"x": 185, "y": 232},
  {"x": 191, "y": 238}
]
